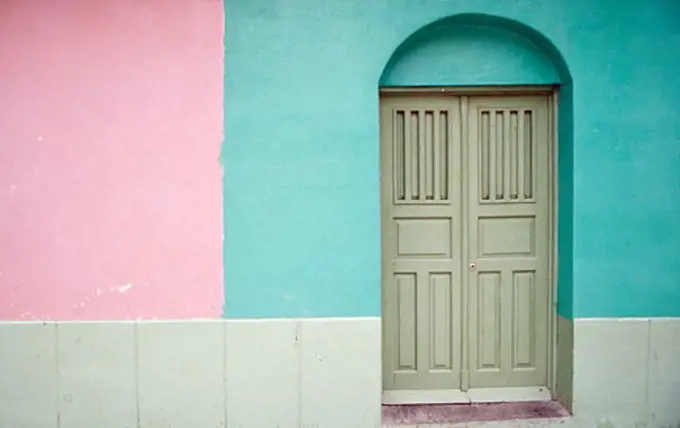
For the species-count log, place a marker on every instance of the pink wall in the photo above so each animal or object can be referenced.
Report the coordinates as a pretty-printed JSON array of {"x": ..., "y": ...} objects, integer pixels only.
[{"x": 110, "y": 184}]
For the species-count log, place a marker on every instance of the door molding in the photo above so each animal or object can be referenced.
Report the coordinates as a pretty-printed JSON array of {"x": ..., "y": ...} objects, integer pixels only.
[
  {"x": 473, "y": 395},
  {"x": 470, "y": 90},
  {"x": 500, "y": 394}
]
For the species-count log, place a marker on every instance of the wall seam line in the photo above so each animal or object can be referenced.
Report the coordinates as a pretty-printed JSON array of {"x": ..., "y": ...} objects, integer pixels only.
[
  {"x": 57, "y": 373},
  {"x": 649, "y": 362},
  {"x": 137, "y": 406},
  {"x": 298, "y": 337},
  {"x": 224, "y": 370}
]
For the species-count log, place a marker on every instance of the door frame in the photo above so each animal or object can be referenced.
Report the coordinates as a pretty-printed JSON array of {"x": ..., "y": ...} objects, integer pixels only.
[{"x": 552, "y": 94}]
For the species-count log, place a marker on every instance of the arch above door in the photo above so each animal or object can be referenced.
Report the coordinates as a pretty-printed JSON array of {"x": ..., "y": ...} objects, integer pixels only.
[{"x": 475, "y": 50}]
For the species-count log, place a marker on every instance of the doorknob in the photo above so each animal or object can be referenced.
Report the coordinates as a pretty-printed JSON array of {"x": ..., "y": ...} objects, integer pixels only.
[{"x": 472, "y": 266}]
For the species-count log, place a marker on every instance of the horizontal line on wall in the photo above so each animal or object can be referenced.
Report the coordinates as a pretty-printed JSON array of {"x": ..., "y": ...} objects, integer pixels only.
[
  {"x": 270, "y": 320},
  {"x": 169, "y": 321},
  {"x": 319, "y": 319},
  {"x": 192, "y": 320},
  {"x": 631, "y": 319}
]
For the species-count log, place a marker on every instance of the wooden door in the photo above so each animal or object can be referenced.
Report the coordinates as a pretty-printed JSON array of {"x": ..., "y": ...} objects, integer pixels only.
[
  {"x": 465, "y": 244},
  {"x": 508, "y": 230}
]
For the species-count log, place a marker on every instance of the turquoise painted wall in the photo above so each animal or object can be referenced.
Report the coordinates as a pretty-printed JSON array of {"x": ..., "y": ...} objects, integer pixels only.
[
  {"x": 301, "y": 184},
  {"x": 454, "y": 52}
]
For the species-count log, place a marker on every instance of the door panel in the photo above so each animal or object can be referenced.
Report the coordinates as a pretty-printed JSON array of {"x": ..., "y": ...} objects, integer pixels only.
[
  {"x": 508, "y": 241},
  {"x": 465, "y": 240},
  {"x": 421, "y": 246}
]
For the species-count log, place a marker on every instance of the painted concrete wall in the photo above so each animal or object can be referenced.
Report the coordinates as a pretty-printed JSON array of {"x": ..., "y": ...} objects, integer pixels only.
[
  {"x": 301, "y": 150},
  {"x": 94, "y": 128},
  {"x": 224, "y": 372},
  {"x": 110, "y": 184},
  {"x": 110, "y": 207},
  {"x": 211, "y": 373}
]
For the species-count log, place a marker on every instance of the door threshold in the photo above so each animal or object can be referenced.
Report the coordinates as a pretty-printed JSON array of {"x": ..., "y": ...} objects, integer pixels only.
[
  {"x": 536, "y": 414},
  {"x": 472, "y": 395}
]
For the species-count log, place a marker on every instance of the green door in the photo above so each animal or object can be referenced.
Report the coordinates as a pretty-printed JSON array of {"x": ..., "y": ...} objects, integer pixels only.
[
  {"x": 422, "y": 291},
  {"x": 466, "y": 231}
]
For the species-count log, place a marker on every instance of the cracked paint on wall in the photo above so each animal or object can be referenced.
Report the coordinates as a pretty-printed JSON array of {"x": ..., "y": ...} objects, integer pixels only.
[{"x": 110, "y": 124}]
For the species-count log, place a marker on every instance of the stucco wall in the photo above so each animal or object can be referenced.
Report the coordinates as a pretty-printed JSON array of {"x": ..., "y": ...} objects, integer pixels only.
[
  {"x": 110, "y": 206},
  {"x": 99, "y": 222},
  {"x": 110, "y": 183},
  {"x": 301, "y": 150}
]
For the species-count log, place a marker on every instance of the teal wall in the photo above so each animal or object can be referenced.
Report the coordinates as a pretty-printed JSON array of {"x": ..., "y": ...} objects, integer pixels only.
[
  {"x": 466, "y": 50},
  {"x": 301, "y": 184}
]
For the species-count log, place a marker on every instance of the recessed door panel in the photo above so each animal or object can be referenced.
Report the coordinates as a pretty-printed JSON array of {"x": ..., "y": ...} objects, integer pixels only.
[
  {"x": 421, "y": 245},
  {"x": 507, "y": 182}
]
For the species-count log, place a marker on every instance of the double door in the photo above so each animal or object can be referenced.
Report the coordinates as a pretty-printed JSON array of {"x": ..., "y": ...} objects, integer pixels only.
[{"x": 465, "y": 239}]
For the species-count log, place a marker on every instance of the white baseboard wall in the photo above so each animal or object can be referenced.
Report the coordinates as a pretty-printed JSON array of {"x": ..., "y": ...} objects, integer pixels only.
[
  {"x": 191, "y": 374},
  {"x": 626, "y": 371},
  {"x": 312, "y": 373}
]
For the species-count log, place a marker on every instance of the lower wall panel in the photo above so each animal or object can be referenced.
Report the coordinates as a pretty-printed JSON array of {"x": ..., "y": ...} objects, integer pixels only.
[
  {"x": 317, "y": 373},
  {"x": 194, "y": 374},
  {"x": 626, "y": 372}
]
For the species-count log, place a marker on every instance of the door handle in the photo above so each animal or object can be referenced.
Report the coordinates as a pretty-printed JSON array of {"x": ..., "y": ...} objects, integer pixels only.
[{"x": 472, "y": 266}]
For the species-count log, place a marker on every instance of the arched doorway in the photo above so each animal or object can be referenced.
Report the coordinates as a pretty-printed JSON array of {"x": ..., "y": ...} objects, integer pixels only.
[{"x": 469, "y": 220}]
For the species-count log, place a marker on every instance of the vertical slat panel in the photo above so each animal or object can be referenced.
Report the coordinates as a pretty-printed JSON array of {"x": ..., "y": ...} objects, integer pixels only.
[
  {"x": 444, "y": 161},
  {"x": 399, "y": 171},
  {"x": 521, "y": 154},
  {"x": 492, "y": 156},
  {"x": 437, "y": 170},
  {"x": 407, "y": 300},
  {"x": 499, "y": 153},
  {"x": 421, "y": 155},
  {"x": 484, "y": 163},
  {"x": 429, "y": 155},
  {"x": 488, "y": 336},
  {"x": 534, "y": 153},
  {"x": 523, "y": 319},
  {"x": 513, "y": 155},
  {"x": 415, "y": 152},
  {"x": 528, "y": 155},
  {"x": 506, "y": 155},
  {"x": 408, "y": 155},
  {"x": 440, "y": 321}
]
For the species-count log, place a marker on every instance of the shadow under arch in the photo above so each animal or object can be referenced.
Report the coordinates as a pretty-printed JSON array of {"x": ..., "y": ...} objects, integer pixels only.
[
  {"x": 469, "y": 50},
  {"x": 462, "y": 40}
]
